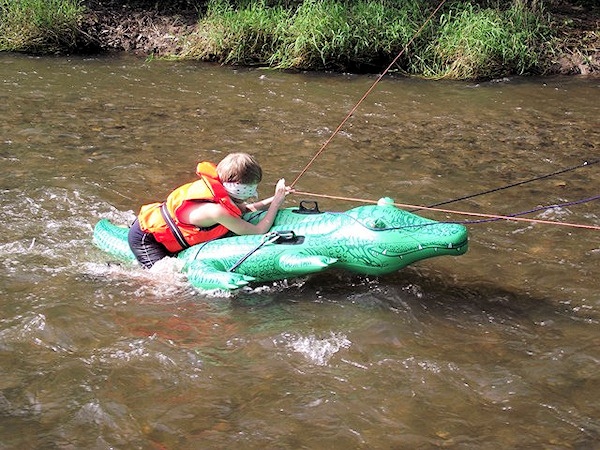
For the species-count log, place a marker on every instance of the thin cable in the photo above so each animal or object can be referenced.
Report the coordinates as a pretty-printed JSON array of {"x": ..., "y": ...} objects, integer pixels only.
[
  {"x": 337, "y": 130},
  {"x": 466, "y": 213},
  {"x": 541, "y": 177}
]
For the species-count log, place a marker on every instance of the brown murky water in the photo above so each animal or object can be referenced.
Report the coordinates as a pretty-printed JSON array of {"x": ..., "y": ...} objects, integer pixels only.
[{"x": 499, "y": 348}]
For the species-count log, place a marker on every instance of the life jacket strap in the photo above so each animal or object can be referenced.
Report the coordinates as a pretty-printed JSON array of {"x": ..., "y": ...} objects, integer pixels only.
[{"x": 173, "y": 227}]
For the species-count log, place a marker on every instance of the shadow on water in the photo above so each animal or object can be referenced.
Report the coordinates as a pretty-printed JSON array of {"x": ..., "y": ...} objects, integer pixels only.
[{"x": 414, "y": 291}]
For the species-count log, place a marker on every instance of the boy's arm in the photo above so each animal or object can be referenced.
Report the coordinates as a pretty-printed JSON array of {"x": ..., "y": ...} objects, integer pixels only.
[
  {"x": 218, "y": 214},
  {"x": 260, "y": 205}
]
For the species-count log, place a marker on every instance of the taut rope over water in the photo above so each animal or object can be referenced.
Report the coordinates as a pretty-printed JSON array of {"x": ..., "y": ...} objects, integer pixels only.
[
  {"x": 519, "y": 183},
  {"x": 487, "y": 217},
  {"x": 337, "y": 130}
]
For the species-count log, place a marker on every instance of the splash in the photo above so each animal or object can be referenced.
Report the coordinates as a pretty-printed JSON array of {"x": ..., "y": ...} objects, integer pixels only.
[{"x": 318, "y": 351}]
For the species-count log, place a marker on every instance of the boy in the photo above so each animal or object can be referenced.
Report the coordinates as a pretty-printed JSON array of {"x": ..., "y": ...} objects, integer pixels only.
[{"x": 205, "y": 209}]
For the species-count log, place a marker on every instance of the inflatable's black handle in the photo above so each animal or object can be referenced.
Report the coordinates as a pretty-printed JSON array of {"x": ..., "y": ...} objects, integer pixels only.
[{"x": 303, "y": 209}]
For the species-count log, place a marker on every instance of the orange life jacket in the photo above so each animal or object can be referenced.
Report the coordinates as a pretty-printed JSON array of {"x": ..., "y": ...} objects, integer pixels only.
[{"x": 153, "y": 217}]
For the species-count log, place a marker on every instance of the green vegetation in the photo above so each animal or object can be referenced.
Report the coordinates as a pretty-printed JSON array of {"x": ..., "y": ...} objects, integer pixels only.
[
  {"x": 466, "y": 41},
  {"x": 476, "y": 42},
  {"x": 332, "y": 35},
  {"x": 321, "y": 35},
  {"x": 39, "y": 26},
  {"x": 240, "y": 36}
]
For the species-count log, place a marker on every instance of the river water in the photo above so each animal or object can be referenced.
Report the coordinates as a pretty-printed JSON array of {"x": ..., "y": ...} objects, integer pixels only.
[{"x": 498, "y": 348}]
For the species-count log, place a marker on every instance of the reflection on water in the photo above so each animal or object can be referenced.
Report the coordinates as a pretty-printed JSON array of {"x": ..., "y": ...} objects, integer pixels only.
[{"x": 496, "y": 348}]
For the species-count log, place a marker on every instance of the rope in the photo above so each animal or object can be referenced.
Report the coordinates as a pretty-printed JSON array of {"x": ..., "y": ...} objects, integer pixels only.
[
  {"x": 266, "y": 239},
  {"x": 337, "y": 130},
  {"x": 541, "y": 177},
  {"x": 489, "y": 217}
]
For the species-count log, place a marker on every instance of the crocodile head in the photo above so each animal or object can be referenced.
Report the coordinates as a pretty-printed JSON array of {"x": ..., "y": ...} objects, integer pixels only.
[{"x": 385, "y": 238}]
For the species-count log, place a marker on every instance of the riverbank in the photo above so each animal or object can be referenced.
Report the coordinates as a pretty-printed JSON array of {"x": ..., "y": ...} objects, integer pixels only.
[{"x": 464, "y": 41}]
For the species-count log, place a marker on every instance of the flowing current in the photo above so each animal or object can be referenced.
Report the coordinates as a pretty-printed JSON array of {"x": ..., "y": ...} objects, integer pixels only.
[{"x": 498, "y": 348}]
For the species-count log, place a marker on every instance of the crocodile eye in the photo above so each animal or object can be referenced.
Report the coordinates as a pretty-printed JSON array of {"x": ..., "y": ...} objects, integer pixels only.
[{"x": 376, "y": 224}]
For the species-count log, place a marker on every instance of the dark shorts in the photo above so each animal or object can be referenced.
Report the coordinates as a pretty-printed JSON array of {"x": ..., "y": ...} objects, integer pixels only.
[{"x": 145, "y": 247}]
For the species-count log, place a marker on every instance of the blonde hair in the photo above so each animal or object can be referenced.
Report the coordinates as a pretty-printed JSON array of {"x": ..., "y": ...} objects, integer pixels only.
[{"x": 239, "y": 168}]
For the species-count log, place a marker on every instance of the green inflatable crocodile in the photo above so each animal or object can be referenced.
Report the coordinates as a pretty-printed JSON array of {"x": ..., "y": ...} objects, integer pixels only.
[{"x": 370, "y": 240}]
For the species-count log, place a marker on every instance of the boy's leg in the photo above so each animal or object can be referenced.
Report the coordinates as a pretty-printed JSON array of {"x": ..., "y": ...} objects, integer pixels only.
[{"x": 145, "y": 247}]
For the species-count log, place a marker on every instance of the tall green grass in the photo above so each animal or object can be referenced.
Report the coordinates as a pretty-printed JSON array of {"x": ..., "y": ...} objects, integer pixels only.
[
  {"x": 315, "y": 34},
  {"x": 474, "y": 42},
  {"x": 39, "y": 26},
  {"x": 359, "y": 35},
  {"x": 465, "y": 41},
  {"x": 248, "y": 35}
]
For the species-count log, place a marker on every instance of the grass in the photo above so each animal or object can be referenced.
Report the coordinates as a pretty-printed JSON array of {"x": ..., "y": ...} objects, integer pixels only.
[
  {"x": 314, "y": 34},
  {"x": 39, "y": 26},
  {"x": 246, "y": 36},
  {"x": 466, "y": 41},
  {"x": 330, "y": 35},
  {"x": 476, "y": 42}
]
